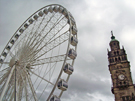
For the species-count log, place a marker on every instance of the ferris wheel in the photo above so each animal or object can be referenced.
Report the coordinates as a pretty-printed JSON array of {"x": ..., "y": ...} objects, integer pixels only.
[{"x": 38, "y": 60}]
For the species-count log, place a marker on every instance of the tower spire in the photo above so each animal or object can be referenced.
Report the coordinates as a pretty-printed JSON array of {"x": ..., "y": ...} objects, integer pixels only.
[
  {"x": 113, "y": 37},
  {"x": 112, "y": 33}
]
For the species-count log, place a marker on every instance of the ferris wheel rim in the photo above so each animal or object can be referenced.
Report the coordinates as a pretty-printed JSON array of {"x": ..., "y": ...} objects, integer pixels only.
[
  {"x": 27, "y": 20},
  {"x": 68, "y": 40}
]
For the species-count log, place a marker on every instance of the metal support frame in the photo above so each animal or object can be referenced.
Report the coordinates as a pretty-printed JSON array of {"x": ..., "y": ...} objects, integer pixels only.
[{"x": 5, "y": 87}]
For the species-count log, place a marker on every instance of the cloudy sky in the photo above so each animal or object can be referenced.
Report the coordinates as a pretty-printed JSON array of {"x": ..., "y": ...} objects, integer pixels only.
[{"x": 95, "y": 19}]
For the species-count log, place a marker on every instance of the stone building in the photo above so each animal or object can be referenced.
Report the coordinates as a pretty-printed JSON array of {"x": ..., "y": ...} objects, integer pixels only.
[{"x": 119, "y": 67}]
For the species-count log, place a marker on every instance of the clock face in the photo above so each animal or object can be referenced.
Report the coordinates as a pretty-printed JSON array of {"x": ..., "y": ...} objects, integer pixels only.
[{"x": 121, "y": 77}]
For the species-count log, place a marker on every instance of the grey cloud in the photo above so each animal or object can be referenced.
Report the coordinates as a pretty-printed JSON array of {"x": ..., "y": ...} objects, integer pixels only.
[{"x": 95, "y": 20}]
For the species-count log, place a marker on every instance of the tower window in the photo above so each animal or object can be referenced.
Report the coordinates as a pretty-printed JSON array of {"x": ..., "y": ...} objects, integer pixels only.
[
  {"x": 114, "y": 53},
  {"x": 119, "y": 58},
  {"x": 112, "y": 60},
  {"x": 118, "y": 52},
  {"x": 115, "y": 59},
  {"x": 125, "y": 98}
]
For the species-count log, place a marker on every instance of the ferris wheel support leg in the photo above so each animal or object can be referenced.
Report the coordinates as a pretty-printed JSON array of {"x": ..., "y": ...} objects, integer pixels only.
[
  {"x": 15, "y": 88},
  {"x": 20, "y": 89},
  {"x": 26, "y": 91},
  {"x": 32, "y": 88},
  {"x": 4, "y": 90}
]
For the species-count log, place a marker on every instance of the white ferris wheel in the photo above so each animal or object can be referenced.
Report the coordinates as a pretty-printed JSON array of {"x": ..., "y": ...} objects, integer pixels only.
[{"x": 38, "y": 60}]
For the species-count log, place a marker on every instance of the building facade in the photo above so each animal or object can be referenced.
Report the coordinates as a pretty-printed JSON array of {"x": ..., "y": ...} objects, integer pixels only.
[{"x": 119, "y": 67}]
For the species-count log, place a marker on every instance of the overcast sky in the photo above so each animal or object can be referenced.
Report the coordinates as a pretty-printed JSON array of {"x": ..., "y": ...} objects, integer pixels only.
[{"x": 95, "y": 19}]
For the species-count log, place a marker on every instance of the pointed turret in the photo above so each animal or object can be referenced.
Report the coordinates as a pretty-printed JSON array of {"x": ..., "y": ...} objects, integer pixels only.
[{"x": 114, "y": 44}]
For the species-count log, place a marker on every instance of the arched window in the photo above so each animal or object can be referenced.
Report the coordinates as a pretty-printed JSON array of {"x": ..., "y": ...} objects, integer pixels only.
[
  {"x": 119, "y": 58},
  {"x": 124, "y": 83},
  {"x": 110, "y": 60},
  {"x": 115, "y": 59},
  {"x": 114, "y": 53}
]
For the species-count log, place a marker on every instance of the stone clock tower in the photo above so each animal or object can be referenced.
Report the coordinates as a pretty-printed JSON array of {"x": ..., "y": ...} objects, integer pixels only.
[{"x": 119, "y": 67}]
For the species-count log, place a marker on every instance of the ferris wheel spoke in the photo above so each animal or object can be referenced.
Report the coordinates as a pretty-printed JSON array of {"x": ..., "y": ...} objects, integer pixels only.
[
  {"x": 31, "y": 35},
  {"x": 2, "y": 87},
  {"x": 41, "y": 30},
  {"x": 38, "y": 43},
  {"x": 20, "y": 92},
  {"x": 50, "y": 37},
  {"x": 41, "y": 77},
  {"x": 47, "y": 83},
  {"x": 12, "y": 96},
  {"x": 22, "y": 84},
  {"x": 38, "y": 26},
  {"x": 7, "y": 82},
  {"x": 53, "y": 44},
  {"x": 10, "y": 93},
  {"x": 46, "y": 37},
  {"x": 11, "y": 54},
  {"x": 49, "y": 60},
  {"x": 5, "y": 62},
  {"x": 3, "y": 74},
  {"x": 60, "y": 38},
  {"x": 37, "y": 69},
  {"x": 32, "y": 88},
  {"x": 60, "y": 93},
  {"x": 26, "y": 91},
  {"x": 4, "y": 77},
  {"x": 51, "y": 67},
  {"x": 45, "y": 73},
  {"x": 17, "y": 47}
]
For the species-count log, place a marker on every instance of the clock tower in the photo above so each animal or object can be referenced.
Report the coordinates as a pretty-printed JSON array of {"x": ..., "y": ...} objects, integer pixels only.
[{"x": 119, "y": 67}]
